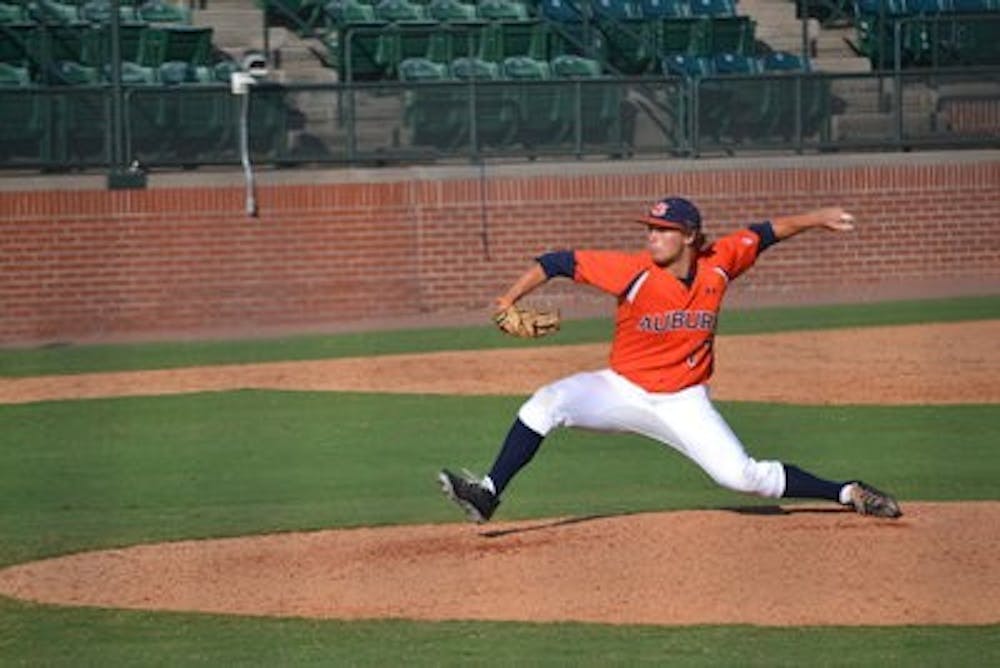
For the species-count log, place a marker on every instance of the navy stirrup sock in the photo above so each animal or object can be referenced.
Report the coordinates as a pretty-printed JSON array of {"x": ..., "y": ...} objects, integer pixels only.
[
  {"x": 801, "y": 484},
  {"x": 518, "y": 448}
]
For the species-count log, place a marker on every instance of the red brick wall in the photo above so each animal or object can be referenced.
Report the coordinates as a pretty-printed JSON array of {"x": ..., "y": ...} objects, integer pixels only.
[{"x": 91, "y": 263}]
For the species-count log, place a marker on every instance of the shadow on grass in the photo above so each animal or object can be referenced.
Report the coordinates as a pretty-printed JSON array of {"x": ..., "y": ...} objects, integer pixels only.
[
  {"x": 566, "y": 521},
  {"x": 784, "y": 510}
]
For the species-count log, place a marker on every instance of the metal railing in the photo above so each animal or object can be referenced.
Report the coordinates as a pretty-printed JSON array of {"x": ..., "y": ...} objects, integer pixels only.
[{"x": 371, "y": 123}]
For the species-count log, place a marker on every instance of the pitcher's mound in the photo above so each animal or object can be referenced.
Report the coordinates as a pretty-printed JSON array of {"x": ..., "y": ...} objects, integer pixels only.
[{"x": 775, "y": 566}]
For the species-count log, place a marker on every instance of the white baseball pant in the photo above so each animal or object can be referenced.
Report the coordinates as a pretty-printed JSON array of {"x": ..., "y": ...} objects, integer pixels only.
[{"x": 686, "y": 420}]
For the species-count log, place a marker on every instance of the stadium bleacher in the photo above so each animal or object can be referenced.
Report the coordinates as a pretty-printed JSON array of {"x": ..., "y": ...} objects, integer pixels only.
[
  {"x": 369, "y": 40},
  {"x": 556, "y": 73},
  {"x": 930, "y": 32},
  {"x": 55, "y": 64}
]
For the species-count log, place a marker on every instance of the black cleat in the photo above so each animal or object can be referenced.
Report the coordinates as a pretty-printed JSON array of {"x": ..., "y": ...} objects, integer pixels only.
[
  {"x": 470, "y": 494},
  {"x": 866, "y": 500}
]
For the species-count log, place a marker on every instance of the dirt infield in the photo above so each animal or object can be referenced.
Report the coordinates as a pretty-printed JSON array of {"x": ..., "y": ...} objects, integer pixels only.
[
  {"x": 804, "y": 565},
  {"x": 917, "y": 364},
  {"x": 791, "y": 565}
]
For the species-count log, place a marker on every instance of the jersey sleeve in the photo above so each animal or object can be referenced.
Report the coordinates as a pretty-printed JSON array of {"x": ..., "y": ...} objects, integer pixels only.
[
  {"x": 609, "y": 271},
  {"x": 736, "y": 252}
]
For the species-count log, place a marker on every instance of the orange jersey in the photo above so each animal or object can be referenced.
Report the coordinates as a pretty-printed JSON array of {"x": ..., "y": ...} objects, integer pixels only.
[{"x": 663, "y": 328}]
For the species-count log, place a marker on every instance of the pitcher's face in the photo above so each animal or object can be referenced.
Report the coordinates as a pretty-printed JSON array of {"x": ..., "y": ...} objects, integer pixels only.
[{"x": 667, "y": 244}]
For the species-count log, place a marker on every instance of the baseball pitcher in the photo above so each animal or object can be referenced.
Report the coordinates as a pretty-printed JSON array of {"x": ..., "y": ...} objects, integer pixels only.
[{"x": 669, "y": 298}]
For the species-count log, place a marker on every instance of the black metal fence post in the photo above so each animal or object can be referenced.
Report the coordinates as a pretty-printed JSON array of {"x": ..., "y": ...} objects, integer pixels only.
[{"x": 119, "y": 175}]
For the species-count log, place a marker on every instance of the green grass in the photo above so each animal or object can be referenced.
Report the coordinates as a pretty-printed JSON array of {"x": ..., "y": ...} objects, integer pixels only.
[
  {"x": 83, "y": 474},
  {"x": 82, "y": 359},
  {"x": 54, "y": 637}
]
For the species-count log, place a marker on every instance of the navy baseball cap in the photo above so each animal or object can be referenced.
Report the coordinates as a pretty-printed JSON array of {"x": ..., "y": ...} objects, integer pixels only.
[{"x": 674, "y": 213}]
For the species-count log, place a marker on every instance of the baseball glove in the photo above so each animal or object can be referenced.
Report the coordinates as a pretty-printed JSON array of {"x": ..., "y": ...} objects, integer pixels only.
[{"x": 527, "y": 323}]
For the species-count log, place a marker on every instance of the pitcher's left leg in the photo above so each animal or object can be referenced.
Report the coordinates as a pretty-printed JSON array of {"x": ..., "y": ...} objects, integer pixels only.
[{"x": 701, "y": 433}]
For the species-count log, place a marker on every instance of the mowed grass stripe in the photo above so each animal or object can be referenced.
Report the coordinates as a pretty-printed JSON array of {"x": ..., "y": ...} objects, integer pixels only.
[
  {"x": 80, "y": 475},
  {"x": 19, "y": 362},
  {"x": 35, "y": 635}
]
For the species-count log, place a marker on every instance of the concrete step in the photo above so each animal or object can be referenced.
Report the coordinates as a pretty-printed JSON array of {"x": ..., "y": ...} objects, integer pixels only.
[
  {"x": 875, "y": 126},
  {"x": 873, "y": 104},
  {"x": 841, "y": 64},
  {"x": 233, "y": 28}
]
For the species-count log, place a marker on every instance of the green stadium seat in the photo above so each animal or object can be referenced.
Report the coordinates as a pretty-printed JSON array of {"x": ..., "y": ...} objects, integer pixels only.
[
  {"x": 435, "y": 115},
  {"x": 399, "y": 10},
  {"x": 407, "y": 35},
  {"x": 782, "y": 61},
  {"x": 543, "y": 112},
  {"x": 465, "y": 69},
  {"x": 454, "y": 40},
  {"x": 682, "y": 35},
  {"x": 133, "y": 74},
  {"x": 74, "y": 41},
  {"x": 734, "y": 63},
  {"x": 189, "y": 44},
  {"x": 571, "y": 66},
  {"x": 422, "y": 69},
  {"x": 631, "y": 48},
  {"x": 349, "y": 11},
  {"x": 132, "y": 40},
  {"x": 562, "y": 11},
  {"x": 219, "y": 72},
  {"x": 157, "y": 11},
  {"x": 174, "y": 72},
  {"x": 571, "y": 34},
  {"x": 664, "y": 9},
  {"x": 357, "y": 42},
  {"x": 11, "y": 75},
  {"x": 12, "y": 13},
  {"x": 505, "y": 39},
  {"x": 72, "y": 73},
  {"x": 502, "y": 10},
  {"x": 50, "y": 11},
  {"x": 630, "y": 41},
  {"x": 619, "y": 10},
  {"x": 72, "y": 53},
  {"x": 875, "y": 38},
  {"x": 399, "y": 41},
  {"x": 357, "y": 45},
  {"x": 712, "y": 7},
  {"x": 685, "y": 65},
  {"x": 99, "y": 11},
  {"x": 600, "y": 101},
  {"x": 730, "y": 34},
  {"x": 24, "y": 45},
  {"x": 495, "y": 112},
  {"x": 451, "y": 10},
  {"x": 524, "y": 68}
]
